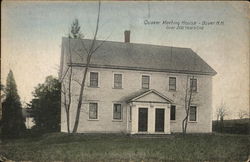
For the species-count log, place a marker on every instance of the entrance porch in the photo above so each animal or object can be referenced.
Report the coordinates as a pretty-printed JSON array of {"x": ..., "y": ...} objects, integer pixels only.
[{"x": 150, "y": 113}]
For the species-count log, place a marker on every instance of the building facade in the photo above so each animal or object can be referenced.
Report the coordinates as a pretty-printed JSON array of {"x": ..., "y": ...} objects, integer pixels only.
[{"x": 137, "y": 88}]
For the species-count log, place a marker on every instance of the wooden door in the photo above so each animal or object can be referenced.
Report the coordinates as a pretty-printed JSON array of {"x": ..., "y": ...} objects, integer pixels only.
[
  {"x": 143, "y": 120},
  {"x": 159, "y": 120}
]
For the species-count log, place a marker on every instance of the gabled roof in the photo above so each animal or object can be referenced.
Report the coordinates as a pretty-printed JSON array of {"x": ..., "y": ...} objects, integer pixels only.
[
  {"x": 140, "y": 94},
  {"x": 133, "y": 56}
]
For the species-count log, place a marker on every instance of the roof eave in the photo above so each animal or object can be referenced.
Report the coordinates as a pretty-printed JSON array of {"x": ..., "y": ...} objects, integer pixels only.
[{"x": 212, "y": 73}]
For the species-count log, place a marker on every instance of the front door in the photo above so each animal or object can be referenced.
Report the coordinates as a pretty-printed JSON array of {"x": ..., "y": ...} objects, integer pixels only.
[
  {"x": 143, "y": 120},
  {"x": 159, "y": 120}
]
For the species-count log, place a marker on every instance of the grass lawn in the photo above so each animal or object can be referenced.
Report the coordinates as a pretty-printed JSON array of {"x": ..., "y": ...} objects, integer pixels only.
[{"x": 111, "y": 147}]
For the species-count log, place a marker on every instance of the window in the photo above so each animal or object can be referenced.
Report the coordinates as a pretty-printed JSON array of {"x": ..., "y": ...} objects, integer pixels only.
[
  {"x": 172, "y": 112},
  {"x": 93, "y": 79},
  {"x": 117, "y": 112},
  {"x": 118, "y": 81},
  {"x": 193, "y": 113},
  {"x": 193, "y": 84},
  {"x": 93, "y": 110},
  {"x": 172, "y": 83},
  {"x": 145, "y": 82}
]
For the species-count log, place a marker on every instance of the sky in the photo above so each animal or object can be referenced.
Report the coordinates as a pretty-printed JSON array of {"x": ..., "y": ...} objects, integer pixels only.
[{"x": 31, "y": 34}]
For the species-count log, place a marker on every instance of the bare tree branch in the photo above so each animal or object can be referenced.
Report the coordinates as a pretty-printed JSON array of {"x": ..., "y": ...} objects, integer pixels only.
[
  {"x": 188, "y": 100},
  {"x": 101, "y": 44},
  {"x": 89, "y": 54},
  {"x": 79, "y": 54},
  {"x": 65, "y": 73},
  {"x": 84, "y": 47},
  {"x": 77, "y": 81},
  {"x": 243, "y": 114}
]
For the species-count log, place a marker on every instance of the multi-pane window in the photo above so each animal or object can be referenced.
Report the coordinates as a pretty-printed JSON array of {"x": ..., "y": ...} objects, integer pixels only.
[
  {"x": 172, "y": 83},
  {"x": 93, "y": 79},
  {"x": 117, "y": 112},
  {"x": 93, "y": 111},
  {"x": 118, "y": 81},
  {"x": 145, "y": 81},
  {"x": 193, "y": 84},
  {"x": 193, "y": 113},
  {"x": 172, "y": 112}
]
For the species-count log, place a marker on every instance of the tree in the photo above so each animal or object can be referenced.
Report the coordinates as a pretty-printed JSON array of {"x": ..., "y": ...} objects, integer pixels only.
[
  {"x": 221, "y": 113},
  {"x": 1, "y": 98},
  {"x": 2, "y": 89},
  {"x": 12, "y": 118},
  {"x": 46, "y": 105},
  {"x": 89, "y": 51},
  {"x": 187, "y": 103},
  {"x": 75, "y": 31},
  {"x": 243, "y": 114},
  {"x": 85, "y": 55},
  {"x": 66, "y": 85}
]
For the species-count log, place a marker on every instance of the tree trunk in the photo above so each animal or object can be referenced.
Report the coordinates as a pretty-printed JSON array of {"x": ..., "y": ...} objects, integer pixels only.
[
  {"x": 89, "y": 54},
  {"x": 80, "y": 101},
  {"x": 187, "y": 105}
]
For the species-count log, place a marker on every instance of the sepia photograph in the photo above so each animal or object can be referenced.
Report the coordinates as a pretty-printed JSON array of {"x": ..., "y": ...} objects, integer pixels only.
[{"x": 125, "y": 81}]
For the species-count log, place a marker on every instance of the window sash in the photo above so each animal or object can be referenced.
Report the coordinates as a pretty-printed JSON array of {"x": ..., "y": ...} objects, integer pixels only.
[
  {"x": 172, "y": 83},
  {"x": 93, "y": 111},
  {"x": 193, "y": 85},
  {"x": 117, "y": 112},
  {"x": 93, "y": 79},
  {"x": 172, "y": 112},
  {"x": 193, "y": 113},
  {"x": 145, "y": 82},
  {"x": 117, "y": 80}
]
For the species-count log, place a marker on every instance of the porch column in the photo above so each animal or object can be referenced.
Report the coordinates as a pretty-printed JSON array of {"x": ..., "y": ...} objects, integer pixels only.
[
  {"x": 151, "y": 119},
  {"x": 167, "y": 119},
  {"x": 134, "y": 119}
]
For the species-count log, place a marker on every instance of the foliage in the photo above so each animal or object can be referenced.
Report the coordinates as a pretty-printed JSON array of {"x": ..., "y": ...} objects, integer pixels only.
[
  {"x": 46, "y": 105},
  {"x": 111, "y": 147},
  {"x": 12, "y": 122},
  {"x": 75, "y": 30},
  {"x": 2, "y": 88}
]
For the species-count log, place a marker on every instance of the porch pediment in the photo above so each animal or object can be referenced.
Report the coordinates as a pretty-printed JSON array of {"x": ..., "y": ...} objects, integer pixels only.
[{"x": 151, "y": 96}]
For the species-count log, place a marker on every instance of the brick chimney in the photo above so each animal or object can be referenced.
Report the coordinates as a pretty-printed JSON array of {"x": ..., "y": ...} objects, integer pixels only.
[{"x": 127, "y": 36}]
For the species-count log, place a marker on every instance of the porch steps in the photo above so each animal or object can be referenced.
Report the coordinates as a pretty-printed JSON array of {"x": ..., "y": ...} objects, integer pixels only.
[{"x": 170, "y": 136}]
